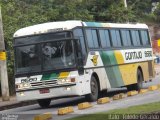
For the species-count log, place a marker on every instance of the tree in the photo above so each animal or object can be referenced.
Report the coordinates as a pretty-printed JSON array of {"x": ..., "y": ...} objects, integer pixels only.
[
  {"x": 157, "y": 13},
  {"x": 118, "y": 13}
]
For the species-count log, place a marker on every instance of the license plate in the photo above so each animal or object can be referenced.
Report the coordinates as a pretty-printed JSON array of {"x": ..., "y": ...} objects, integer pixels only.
[{"x": 43, "y": 91}]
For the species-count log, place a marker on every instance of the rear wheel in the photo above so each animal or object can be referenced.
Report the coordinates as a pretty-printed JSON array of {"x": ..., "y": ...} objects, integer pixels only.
[
  {"x": 44, "y": 103},
  {"x": 93, "y": 96},
  {"x": 139, "y": 83},
  {"x": 139, "y": 80}
]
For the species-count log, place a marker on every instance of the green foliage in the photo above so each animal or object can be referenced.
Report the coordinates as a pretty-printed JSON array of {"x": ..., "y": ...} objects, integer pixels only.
[
  {"x": 21, "y": 13},
  {"x": 157, "y": 13},
  {"x": 120, "y": 14}
]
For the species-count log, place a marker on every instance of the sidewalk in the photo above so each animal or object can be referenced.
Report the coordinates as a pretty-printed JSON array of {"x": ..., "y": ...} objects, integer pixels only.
[
  {"x": 6, "y": 103},
  {"x": 13, "y": 103}
]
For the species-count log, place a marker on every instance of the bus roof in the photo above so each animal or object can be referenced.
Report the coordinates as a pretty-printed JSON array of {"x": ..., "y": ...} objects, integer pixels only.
[{"x": 68, "y": 25}]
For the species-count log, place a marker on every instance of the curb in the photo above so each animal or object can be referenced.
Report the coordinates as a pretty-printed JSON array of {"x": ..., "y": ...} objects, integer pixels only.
[
  {"x": 65, "y": 110},
  {"x": 45, "y": 116},
  {"x": 84, "y": 105},
  {"x": 153, "y": 87},
  {"x": 132, "y": 93}
]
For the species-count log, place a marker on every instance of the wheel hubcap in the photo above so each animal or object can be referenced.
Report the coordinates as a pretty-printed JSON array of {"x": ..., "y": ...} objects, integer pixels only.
[{"x": 93, "y": 88}]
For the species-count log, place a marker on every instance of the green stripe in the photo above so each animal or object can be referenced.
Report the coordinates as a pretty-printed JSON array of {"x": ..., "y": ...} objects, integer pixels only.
[
  {"x": 50, "y": 76},
  {"x": 113, "y": 72},
  {"x": 93, "y": 24}
]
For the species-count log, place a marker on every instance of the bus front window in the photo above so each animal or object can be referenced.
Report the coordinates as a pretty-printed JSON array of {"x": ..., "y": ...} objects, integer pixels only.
[
  {"x": 55, "y": 55},
  {"x": 58, "y": 55},
  {"x": 44, "y": 52},
  {"x": 27, "y": 58}
]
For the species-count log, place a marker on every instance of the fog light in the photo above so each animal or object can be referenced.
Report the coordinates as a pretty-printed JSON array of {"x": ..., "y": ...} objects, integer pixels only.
[
  {"x": 68, "y": 88},
  {"x": 21, "y": 94}
]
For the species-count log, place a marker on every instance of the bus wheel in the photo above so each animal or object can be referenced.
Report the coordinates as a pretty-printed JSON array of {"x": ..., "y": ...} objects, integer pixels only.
[
  {"x": 44, "y": 103},
  {"x": 93, "y": 96},
  {"x": 139, "y": 80},
  {"x": 139, "y": 83}
]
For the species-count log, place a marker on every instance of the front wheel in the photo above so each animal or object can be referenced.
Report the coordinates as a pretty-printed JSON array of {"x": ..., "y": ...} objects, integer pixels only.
[
  {"x": 44, "y": 103},
  {"x": 93, "y": 96}
]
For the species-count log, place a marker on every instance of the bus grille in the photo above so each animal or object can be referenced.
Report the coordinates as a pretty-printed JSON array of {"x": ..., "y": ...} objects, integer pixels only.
[{"x": 44, "y": 83}]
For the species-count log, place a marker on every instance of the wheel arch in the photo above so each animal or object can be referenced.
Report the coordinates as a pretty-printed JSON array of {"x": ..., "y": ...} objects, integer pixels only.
[{"x": 140, "y": 68}]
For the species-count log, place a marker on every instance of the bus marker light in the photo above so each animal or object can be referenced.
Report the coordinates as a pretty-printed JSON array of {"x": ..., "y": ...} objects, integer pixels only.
[
  {"x": 20, "y": 86},
  {"x": 143, "y": 91},
  {"x": 45, "y": 116},
  {"x": 84, "y": 105},
  {"x": 66, "y": 110},
  {"x": 154, "y": 87},
  {"x": 103, "y": 100},
  {"x": 73, "y": 79},
  {"x": 131, "y": 93},
  {"x": 16, "y": 86}
]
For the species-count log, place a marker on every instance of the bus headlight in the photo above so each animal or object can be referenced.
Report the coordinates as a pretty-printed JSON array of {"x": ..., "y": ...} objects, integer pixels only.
[
  {"x": 69, "y": 80},
  {"x": 23, "y": 85}
]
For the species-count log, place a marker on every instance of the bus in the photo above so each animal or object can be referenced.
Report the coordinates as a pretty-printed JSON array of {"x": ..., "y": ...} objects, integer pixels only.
[{"x": 76, "y": 58}]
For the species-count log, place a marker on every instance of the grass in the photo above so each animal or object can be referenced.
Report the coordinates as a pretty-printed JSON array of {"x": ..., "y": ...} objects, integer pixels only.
[{"x": 141, "y": 109}]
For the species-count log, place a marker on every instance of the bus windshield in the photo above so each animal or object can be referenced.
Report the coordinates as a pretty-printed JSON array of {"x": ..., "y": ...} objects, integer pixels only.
[{"x": 45, "y": 56}]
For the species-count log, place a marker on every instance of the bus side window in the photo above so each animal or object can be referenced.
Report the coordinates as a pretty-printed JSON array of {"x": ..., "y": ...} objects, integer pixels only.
[
  {"x": 104, "y": 38},
  {"x": 92, "y": 38},
  {"x": 126, "y": 39},
  {"x": 144, "y": 37},
  {"x": 116, "y": 39},
  {"x": 78, "y": 34},
  {"x": 135, "y": 37}
]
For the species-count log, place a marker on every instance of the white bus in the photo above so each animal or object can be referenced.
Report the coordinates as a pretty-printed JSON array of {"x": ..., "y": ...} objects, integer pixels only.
[{"x": 75, "y": 58}]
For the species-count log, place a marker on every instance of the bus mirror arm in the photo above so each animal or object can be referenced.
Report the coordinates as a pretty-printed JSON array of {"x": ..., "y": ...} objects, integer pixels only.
[
  {"x": 80, "y": 66},
  {"x": 79, "y": 57}
]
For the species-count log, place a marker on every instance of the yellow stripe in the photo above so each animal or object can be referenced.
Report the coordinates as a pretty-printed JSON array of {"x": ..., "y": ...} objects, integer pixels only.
[
  {"x": 129, "y": 73},
  {"x": 119, "y": 57},
  {"x": 63, "y": 75}
]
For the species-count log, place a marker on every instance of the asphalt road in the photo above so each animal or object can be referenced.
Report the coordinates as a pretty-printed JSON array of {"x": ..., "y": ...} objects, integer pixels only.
[{"x": 28, "y": 112}]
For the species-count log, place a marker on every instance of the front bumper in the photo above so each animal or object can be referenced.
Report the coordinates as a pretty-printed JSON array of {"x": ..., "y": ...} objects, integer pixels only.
[{"x": 34, "y": 94}]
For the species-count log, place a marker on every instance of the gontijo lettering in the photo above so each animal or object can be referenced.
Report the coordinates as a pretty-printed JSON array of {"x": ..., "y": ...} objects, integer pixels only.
[
  {"x": 133, "y": 55},
  {"x": 137, "y": 55}
]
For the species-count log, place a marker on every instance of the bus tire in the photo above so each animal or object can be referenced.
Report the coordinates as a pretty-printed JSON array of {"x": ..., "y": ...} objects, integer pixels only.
[
  {"x": 139, "y": 83},
  {"x": 93, "y": 96},
  {"x": 44, "y": 103},
  {"x": 139, "y": 80}
]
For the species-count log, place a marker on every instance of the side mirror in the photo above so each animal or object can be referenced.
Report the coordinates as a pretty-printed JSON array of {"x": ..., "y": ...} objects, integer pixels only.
[{"x": 79, "y": 56}]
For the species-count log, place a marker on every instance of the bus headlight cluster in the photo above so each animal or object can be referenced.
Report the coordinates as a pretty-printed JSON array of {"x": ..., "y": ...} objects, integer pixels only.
[
  {"x": 63, "y": 81},
  {"x": 23, "y": 85}
]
